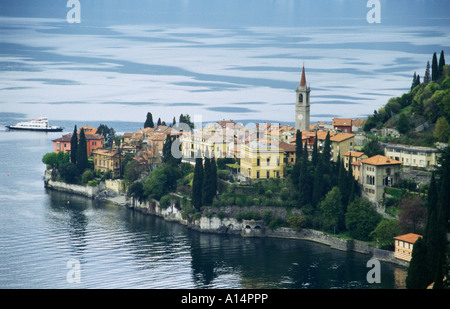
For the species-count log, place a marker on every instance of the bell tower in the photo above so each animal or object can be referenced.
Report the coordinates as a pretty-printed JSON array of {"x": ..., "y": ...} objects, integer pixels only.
[{"x": 302, "y": 104}]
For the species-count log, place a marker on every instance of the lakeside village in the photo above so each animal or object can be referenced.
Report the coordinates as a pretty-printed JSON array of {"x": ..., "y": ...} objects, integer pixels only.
[{"x": 350, "y": 181}]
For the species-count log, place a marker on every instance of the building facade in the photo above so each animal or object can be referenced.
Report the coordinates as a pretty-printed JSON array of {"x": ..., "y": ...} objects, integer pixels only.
[
  {"x": 93, "y": 141},
  {"x": 261, "y": 161},
  {"x": 106, "y": 160},
  {"x": 412, "y": 156},
  {"x": 404, "y": 246},
  {"x": 378, "y": 172}
]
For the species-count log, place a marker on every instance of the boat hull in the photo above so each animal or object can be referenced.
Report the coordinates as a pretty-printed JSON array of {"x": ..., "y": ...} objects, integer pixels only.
[{"x": 35, "y": 129}]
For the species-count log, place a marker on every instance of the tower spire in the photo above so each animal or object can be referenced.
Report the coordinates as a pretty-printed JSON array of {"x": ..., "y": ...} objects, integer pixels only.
[{"x": 303, "y": 80}]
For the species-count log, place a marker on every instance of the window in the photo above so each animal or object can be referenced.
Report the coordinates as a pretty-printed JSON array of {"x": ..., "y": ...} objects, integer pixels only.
[
  {"x": 267, "y": 174},
  {"x": 257, "y": 174},
  {"x": 268, "y": 161},
  {"x": 257, "y": 162}
]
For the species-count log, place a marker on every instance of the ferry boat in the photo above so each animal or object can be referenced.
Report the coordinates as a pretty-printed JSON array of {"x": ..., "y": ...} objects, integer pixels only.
[{"x": 40, "y": 124}]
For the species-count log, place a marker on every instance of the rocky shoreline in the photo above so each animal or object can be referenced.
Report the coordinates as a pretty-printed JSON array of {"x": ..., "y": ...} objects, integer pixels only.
[{"x": 225, "y": 225}]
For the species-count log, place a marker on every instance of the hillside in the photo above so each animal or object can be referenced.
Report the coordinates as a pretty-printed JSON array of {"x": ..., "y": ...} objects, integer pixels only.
[{"x": 422, "y": 115}]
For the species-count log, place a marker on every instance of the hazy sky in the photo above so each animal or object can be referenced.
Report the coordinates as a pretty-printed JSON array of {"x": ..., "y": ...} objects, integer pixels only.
[{"x": 215, "y": 59}]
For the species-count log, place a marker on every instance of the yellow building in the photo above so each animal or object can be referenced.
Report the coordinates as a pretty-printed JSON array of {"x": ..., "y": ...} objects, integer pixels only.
[
  {"x": 413, "y": 156},
  {"x": 106, "y": 160},
  {"x": 261, "y": 160},
  {"x": 341, "y": 143},
  {"x": 193, "y": 143},
  {"x": 404, "y": 246}
]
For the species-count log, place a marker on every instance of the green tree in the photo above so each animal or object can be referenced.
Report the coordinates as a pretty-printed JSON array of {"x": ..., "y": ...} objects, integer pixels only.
[
  {"x": 403, "y": 124},
  {"x": 69, "y": 173},
  {"x": 442, "y": 130},
  {"x": 136, "y": 190},
  {"x": 159, "y": 122},
  {"x": 326, "y": 153},
  {"x": 149, "y": 121},
  {"x": 50, "y": 159},
  {"x": 107, "y": 133},
  {"x": 427, "y": 77},
  {"x": 82, "y": 158},
  {"x": 74, "y": 146},
  {"x": 441, "y": 63},
  {"x": 385, "y": 232},
  {"x": 315, "y": 153},
  {"x": 298, "y": 145},
  {"x": 417, "y": 274},
  {"x": 208, "y": 183},
  {"x": 361, "y": 219},
  {"x": 304, "y": 180},
  {"x": 332, "y": 211},
  {"x": 197, "y": 183},
  {"x": 434, "y": 69}
]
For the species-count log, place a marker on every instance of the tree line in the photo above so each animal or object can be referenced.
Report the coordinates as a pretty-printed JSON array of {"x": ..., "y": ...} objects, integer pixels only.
[{"x": 430, "y": 254}]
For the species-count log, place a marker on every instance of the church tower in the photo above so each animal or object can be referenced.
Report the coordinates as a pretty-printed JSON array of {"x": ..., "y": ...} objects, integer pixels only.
[{"x": 302, "y": 105}]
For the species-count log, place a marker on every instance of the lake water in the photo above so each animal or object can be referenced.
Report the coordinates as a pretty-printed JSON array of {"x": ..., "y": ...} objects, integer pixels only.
[{"x": 120, "y": 248}]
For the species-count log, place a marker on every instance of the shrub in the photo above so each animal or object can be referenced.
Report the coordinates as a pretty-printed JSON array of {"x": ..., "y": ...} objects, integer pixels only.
[
  {"x": 248, "y": 215},
  {"x": 164, "y": 202},
  {"x": 87, "y": 176},
  {"x": 276, "y": 223},
  {"x": 93, "y": 183},
  {"x": 296, "y": 222}
]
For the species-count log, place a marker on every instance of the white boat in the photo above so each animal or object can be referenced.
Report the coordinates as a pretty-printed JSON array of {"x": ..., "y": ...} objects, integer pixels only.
[{"x": 40, "y": 124}]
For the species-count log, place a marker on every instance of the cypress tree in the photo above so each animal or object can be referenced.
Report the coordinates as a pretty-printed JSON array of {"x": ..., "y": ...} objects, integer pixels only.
[
  {"x": 343, "y": 183},
  {"x": 304, "y": 179},
  {"x": 413, "y": 84},
  {"x": 208, "y": 187},
  {"x": 298, "y": 158},
  {"x": 214, "y": 174},
  {"x": 417, "y": 276},
  {"x": 441, "y": 63},
  {"x": 298, "y": 146},
  {"x": 149, "y": 121},
  {"x": 318, "y": 186},
  {"x": 74, "y": 146},
  {"x": 434, "y": 69},
  {"x": 315, "y": 153},
  {"x": 197, "y": 183},
  {"x": 427, "y": 77},
  {"x": 82, "y": 159},
  {"x": 326, "y": 153}
]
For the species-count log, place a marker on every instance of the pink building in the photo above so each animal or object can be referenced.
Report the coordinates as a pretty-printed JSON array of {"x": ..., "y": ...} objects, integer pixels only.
[{"x": 93, "y": 141}]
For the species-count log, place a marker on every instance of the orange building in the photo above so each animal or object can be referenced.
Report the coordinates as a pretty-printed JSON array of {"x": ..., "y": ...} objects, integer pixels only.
[
  {"x": 93, "y": 141},
  {"x": 404, "y": 246}
]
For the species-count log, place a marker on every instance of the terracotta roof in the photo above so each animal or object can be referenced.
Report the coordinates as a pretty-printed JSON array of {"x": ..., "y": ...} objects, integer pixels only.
[
  {"x": 68, "y": 137},
  {"x": 341, "y": 137},
  {"x": 286, "y": 147},
  {"x": 104, "y": 152},
  {"x": 410, "y": 237},
  {"x": 355, "y": 154},
  {"x": 380, "y": 160},
  {"x": 342, "y": 121}
]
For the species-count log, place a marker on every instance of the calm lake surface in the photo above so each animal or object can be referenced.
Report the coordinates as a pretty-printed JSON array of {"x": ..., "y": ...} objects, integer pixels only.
[{"x": 120, "y": 248}]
